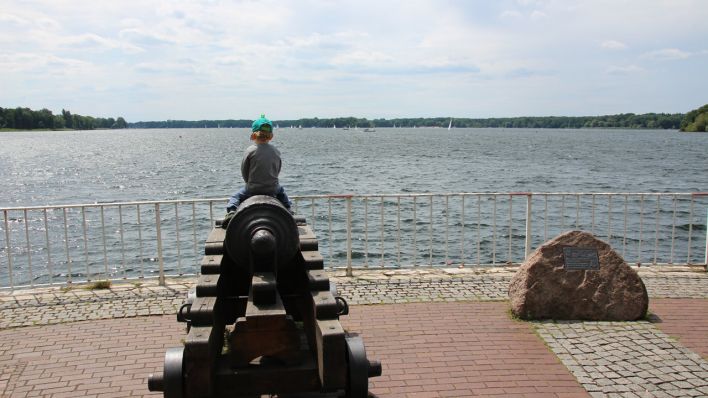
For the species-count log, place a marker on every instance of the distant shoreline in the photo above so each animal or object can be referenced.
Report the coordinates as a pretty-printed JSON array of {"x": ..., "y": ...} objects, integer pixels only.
[
  {"x": 651, "y": 121},
  {"x": 6, "y": 130},
  {"x": 25, "y": 119}
]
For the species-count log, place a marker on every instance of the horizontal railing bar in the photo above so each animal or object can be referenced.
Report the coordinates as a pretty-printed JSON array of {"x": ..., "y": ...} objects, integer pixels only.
[
  {"x": 411, "y": 195},
  {"x": 99, "y": 204},
  {"x": 354, "y": 196}
]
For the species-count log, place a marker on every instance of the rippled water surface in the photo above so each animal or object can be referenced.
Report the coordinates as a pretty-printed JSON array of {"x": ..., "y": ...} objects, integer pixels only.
[{"x": 38, "y": 168}]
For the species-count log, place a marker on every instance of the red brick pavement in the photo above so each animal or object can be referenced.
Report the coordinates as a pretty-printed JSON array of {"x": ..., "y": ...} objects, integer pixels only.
[
  {"x": 427, "y": 350},
  {"x": 458, "y": 350},
  {"x": 684, "y": 319}
]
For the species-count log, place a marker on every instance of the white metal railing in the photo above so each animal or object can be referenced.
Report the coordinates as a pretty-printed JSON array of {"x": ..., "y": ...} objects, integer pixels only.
[{"x": 61, "y": 245}]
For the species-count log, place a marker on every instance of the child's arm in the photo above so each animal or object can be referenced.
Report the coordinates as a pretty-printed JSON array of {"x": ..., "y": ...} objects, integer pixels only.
[{"x": 245, "y": 166}]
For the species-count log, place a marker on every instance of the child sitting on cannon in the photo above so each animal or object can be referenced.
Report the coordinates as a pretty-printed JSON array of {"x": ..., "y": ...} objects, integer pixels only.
[{"x": 260, "y": 168}]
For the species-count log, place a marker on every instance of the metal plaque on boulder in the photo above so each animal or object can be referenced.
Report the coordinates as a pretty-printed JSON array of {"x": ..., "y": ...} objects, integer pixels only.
[{"x": 580, "y": 258}]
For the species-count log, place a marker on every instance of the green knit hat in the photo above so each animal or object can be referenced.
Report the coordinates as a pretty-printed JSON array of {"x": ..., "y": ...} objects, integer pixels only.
[{"x": 262, "y": 124}]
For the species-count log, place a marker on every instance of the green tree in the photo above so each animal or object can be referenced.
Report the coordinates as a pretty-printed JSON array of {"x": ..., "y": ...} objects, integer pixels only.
[
  {"x": 58, "y": 122},
  {"x": 68, "y": 119},
  {"x": 121, "y": 123},
  {"x": 695, "y": 120}
]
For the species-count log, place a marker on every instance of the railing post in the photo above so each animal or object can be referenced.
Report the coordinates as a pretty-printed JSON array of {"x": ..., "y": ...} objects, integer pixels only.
[
  {"x": 527, "y": 243},
  {"x": 161, "y": 274},
  {"x": 349, "y": 236},
  {"x": 690, "y": 230},
  {"x": 29, "y": 249},
  {"x": 8, "y": 249},
  {"x": 705, "y": 259},
  {"x": 49, "y": 250}
]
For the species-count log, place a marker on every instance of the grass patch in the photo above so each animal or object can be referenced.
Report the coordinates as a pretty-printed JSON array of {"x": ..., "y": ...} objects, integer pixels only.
[
  {"x": 514, "y": 317},
  {"x": 98, "y": 285},
  {"x": 511, "y": 315}
]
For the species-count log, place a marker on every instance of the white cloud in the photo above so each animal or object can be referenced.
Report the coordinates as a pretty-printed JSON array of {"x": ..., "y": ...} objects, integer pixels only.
[
  {"x": 527, "y": 2},
  {"x": 30, "y": 63},
  {"x": 537, "y": 15},
  {"x": 333, "y": 40},
  {"x": 13, "y": 19},
  {"x": 624, "y": 70},
  {"x": 510, "y": 14},
  {"x": 229, "y": 60},
  {"x": 613, "y": 45},
  {"x": 48, "y": 24},
  {"x": 92, "y": 40},
  {"x": 186, "y": 67},
  {"x": 364, "y": 58},
  {"x": 144, "y": 37},
  {"x": 667, "y": 54}
]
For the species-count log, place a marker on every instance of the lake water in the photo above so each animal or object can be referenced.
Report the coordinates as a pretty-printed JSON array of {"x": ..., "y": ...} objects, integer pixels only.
[
  {"x": 57, "y": 168},
  {"x": 40, "y": 168}
]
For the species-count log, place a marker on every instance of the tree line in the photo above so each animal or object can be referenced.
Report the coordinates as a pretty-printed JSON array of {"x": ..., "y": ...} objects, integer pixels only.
[
  {"x": 190, "y": 124},
  {"x": 28, "y": 119},
  {"x": 625, "y": 120}
]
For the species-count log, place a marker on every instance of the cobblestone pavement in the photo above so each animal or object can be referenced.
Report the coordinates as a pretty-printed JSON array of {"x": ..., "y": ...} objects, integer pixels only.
[
  {"x": 626, "y": 359},
  {"x": 50, "y": 306},
  {"x": 44, "y": 306}
]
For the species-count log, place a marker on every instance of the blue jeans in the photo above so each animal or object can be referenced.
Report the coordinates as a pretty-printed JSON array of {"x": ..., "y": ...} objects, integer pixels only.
[{"x": 243, "y": 194}]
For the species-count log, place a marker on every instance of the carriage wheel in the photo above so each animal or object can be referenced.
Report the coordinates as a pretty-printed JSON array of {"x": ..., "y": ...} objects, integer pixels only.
[
  {"x": 173, "y": 373},
  {"x": 358, "y": 383}
]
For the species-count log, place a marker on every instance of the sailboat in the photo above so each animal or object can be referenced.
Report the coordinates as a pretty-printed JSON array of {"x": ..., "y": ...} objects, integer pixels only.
[{"x": 449, "y": 126}]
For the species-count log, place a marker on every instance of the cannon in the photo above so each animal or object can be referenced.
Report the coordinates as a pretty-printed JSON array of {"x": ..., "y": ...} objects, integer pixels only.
[{"x": 263, "y": 318}]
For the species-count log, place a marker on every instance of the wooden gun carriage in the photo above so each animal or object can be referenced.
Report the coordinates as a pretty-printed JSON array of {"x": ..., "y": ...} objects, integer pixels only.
[{"x": 264, "y": 317}]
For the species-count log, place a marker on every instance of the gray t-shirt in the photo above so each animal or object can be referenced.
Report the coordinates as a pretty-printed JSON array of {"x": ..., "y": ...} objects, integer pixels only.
[{"x": 260, "y": 168}]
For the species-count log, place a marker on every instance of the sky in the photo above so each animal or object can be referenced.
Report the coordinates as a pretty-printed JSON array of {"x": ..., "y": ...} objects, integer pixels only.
[{"x": 209, "y": 59}]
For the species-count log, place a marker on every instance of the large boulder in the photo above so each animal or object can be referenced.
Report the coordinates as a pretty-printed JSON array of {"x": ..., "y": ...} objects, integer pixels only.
[{"x": 547, "y": 286}]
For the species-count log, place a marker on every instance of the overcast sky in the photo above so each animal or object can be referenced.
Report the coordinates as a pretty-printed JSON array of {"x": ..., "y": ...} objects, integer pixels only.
[{"x": 209, "y": 59}]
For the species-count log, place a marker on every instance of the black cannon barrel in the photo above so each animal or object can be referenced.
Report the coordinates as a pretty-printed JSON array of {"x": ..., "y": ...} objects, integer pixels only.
[{"x": 262, "y": 226}]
